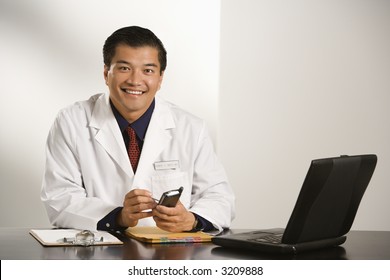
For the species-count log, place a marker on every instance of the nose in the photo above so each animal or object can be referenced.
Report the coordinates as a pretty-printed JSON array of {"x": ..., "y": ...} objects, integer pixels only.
[{"x": 134, "y": 78}]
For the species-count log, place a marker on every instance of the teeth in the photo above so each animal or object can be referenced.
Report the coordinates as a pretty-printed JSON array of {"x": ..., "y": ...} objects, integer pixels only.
[{"x": 133, "y": 92}]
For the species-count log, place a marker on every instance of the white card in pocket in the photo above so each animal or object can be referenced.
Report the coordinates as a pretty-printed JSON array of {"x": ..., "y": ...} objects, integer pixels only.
[{"x": 166, "y": 165}]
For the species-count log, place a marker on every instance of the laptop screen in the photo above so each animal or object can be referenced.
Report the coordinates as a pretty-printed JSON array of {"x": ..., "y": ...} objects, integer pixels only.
[{"x": 329, "y": 198}]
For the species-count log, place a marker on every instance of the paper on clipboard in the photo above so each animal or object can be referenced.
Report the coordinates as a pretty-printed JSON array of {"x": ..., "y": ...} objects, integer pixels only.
[{"x": 55, "y": 237}]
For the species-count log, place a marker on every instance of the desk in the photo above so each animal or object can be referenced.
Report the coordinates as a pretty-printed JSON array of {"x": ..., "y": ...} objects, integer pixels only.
[{"x": 18, "y": 244}]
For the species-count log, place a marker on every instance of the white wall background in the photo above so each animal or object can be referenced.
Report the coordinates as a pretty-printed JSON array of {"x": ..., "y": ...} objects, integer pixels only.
[
  {"x": 301, "y": 79},
  {"x": 51, "y": 56}
]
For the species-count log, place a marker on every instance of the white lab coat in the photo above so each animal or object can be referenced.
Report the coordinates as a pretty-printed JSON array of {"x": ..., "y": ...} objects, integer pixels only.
[{"x": 88, "y": 172}]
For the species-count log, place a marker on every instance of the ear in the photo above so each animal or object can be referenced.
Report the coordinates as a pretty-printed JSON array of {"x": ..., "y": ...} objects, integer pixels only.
[
  {"x": 105, "y": 73},
  {"x": 160, "y": 80}
]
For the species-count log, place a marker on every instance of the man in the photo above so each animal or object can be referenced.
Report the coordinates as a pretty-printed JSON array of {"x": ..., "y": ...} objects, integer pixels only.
[{"x": 95, "y": 177}]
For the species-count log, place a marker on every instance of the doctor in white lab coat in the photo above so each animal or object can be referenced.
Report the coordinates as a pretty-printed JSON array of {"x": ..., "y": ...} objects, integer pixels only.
[{"x": 88, "y": 176}]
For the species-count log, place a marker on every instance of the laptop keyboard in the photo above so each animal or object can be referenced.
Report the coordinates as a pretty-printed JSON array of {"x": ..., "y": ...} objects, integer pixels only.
[{"x": 271, "y": 238}]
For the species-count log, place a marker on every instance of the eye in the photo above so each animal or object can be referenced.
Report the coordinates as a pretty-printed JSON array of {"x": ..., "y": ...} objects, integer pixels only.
[
  {"x": 124, "y": 68},
  {"x": 149, "y": 71}
]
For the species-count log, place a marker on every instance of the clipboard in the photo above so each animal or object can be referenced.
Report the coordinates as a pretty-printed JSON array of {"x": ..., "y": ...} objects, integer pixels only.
[
  {"x": 156, "y": 235},
  {"x": 57, "y": 237}
]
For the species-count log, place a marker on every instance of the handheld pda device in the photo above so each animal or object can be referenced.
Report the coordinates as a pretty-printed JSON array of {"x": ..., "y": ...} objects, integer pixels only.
[{"x": 170, "y": 198}]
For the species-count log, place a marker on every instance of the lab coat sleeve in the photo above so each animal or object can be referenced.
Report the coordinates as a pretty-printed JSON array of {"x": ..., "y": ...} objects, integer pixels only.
[
  {"x": 212, "y": 198},
  {"x": 63, "y": 193}
]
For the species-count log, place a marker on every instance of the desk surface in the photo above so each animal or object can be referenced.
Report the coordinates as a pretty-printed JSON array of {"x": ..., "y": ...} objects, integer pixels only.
[{"x": 18, "y": 244}]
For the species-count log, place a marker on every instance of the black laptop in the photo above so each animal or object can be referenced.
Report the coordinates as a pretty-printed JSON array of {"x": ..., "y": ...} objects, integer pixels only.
[{"x": 324, "y": 211}]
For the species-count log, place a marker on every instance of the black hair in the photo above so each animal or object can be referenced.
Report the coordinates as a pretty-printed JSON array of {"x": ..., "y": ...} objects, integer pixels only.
[{"x": 134, "y": 36}]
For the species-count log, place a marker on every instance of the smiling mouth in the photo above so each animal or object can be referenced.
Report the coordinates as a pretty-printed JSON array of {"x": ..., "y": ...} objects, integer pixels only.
[{"x": 133, "y": 92}]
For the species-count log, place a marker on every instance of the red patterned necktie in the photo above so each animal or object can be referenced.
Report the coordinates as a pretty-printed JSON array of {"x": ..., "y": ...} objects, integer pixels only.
[{"x": 133, "y": 148}]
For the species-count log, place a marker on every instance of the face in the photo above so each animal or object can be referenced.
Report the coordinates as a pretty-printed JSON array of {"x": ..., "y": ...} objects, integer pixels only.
[{"x": 133, "y": 80}]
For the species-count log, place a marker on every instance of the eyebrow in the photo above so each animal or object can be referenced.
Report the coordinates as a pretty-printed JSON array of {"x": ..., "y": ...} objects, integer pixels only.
[{"x": 128, "y": 63}]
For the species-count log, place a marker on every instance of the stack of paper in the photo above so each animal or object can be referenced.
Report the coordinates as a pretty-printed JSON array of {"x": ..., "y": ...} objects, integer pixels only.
[{"x": 156, "y": 235}]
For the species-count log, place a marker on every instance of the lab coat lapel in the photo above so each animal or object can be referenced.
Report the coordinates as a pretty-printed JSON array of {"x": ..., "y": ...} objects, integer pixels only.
[
  {"x": 108, "y": 133},
  {"x": 157, "y": 136}
]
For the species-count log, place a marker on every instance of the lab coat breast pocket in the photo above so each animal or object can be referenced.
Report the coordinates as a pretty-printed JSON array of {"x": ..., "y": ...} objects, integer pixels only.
[{"x": 166, "y": 182}]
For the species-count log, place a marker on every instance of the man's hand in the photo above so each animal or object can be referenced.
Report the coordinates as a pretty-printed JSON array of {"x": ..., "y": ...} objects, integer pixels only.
[
  {"x": 173, "y": 219},
  {"x": 135, "y": 206}
]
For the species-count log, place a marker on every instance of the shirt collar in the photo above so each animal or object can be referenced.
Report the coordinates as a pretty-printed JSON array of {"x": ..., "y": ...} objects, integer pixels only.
[{"x": 140, "y": 126}]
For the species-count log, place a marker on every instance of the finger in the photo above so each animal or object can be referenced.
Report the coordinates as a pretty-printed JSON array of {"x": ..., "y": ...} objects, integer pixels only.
[
  {"x": 169, "y": 219},
  {"x": 142, "y": 215},
  {"x": 161, "y": 223},
  {"x": 139, "y": 200},
  {"x": 159, "y": 214},
  {"x": 165, "y": 212},
  {"x": 137, "y": 215},
  {"x": 179, "y": 209},
  {"x": 138, "y": 192},
  {"x": 169, "y": 211},
  {"x": 167, "y": 226},
  {"x": 139, "y": 207}
]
